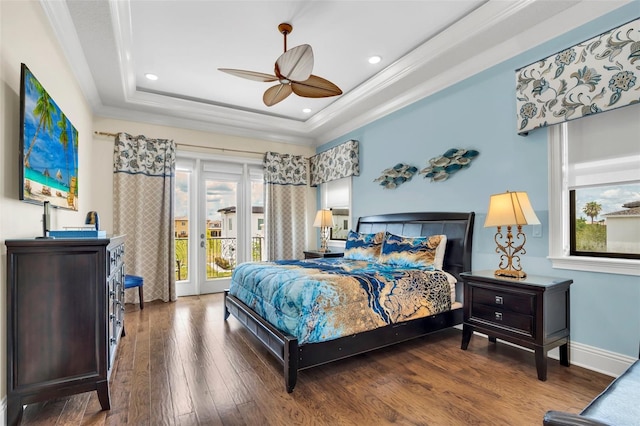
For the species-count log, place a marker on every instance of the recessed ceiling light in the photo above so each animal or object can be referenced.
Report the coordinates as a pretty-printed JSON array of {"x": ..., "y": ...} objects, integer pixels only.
[
  {"x": 151, "y": 77},
  {"x": 306, "y": 110},
  {"x": 374, "y": 59}
]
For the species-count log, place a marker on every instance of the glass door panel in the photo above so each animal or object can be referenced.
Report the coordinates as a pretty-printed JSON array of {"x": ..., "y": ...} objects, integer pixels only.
[
  {"x": 185, "y": 228},
  {"x": 221, "y": 225},
  {"x": 182, "y": 225},
  {"x": 258, "y": 247}
]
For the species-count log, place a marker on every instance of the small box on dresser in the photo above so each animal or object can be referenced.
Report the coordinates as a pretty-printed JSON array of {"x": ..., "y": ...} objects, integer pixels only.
[
  {"x": 532, "y": 312},
  {"x": 64, "y": 318}
]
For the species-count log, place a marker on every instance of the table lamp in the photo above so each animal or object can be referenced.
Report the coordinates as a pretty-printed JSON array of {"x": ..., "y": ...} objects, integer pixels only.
[
  {"x": 508, "y": 209},
  {"x": 324, "y": 221}
]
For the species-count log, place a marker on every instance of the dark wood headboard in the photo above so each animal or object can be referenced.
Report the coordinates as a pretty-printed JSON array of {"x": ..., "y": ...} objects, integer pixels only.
[{"x": 458, "y": 227}]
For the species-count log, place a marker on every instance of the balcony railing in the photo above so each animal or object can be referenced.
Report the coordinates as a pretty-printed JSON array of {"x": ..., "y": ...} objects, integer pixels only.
[{"x": 220, "y": 256}]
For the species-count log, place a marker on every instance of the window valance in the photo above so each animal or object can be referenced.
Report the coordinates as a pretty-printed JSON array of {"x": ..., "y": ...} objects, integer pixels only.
[
  {"x": 338, "y": 162},
  {"x": 285, "y": 169},
  {"x": 139, "y": 155},
  {"x": 594, "y": 76}
]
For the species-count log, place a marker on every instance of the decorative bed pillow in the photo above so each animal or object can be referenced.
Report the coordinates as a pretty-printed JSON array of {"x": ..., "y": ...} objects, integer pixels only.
[
  {"x": 363, "y": 246},
  {"x": 414, "y": 252}
]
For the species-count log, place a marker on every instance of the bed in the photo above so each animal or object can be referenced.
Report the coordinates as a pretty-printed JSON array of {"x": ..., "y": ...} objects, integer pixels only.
[{"x": 303, "y": 351}]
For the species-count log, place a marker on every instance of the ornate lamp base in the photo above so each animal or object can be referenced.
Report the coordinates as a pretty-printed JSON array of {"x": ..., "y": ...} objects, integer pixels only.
[
  {"x": 509, "y": 259},
  {"x": 324, "y": 236},
  {"x": 511, "y": 273}
]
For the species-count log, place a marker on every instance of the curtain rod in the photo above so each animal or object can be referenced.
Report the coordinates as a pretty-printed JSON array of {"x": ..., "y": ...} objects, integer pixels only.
[{"x": 193, "y": 146}]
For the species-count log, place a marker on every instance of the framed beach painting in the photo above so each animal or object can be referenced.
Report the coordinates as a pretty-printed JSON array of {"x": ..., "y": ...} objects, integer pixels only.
[{"x": 48, "y": 148}]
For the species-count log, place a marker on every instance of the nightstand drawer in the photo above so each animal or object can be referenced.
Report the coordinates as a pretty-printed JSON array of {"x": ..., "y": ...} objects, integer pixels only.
[
  {"x": 514, "y": 302},
  {"x": 502, "y": 318}
]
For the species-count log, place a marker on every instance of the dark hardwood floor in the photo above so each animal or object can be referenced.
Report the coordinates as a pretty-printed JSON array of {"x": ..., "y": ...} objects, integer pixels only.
[{"x": 181, "y": 364}]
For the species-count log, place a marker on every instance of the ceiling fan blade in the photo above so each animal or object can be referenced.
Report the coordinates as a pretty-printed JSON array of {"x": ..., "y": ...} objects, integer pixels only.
[
  {"x": 315, "y": 87},
  {"x": 275, "y": 94},
  {"x": 295, "y": 64},
  {"x": 251, "y": 75}
]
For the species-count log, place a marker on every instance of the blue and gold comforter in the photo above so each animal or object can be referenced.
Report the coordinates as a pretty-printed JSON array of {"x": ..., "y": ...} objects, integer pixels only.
[{"x": 323, "y": 299}]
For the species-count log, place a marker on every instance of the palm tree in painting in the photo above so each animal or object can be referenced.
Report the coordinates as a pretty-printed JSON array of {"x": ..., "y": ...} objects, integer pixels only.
[
  {"x": 64, "y": 140},
  {"x": 44, "y": 110},
  {"x": 74, "y": 150},
  {"x": 73, "y": 178}
]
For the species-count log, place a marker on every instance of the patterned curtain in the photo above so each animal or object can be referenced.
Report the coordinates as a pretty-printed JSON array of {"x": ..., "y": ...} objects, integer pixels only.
[
  {"x": 144, "y": 170},
  {"x": 338, "y": 162},
  {"x": 285, "y": 178},
  {"x": 596, "y": 75}
]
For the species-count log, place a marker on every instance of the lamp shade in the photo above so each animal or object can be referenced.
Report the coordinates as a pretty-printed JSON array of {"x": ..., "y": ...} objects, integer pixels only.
[
  {"x": 510, "y": 208},
  {"x": 324, "y": 218}
]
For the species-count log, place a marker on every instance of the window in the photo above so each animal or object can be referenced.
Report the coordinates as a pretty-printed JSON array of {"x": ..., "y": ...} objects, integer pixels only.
[
  {"x": 595, "y": 160},
  {"x": 603, "y": 223},
  {"x": 336, "y": 195}
]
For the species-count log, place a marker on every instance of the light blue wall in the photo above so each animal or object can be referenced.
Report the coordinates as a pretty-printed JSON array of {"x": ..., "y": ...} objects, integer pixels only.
[{"x": 479, "y": 113}]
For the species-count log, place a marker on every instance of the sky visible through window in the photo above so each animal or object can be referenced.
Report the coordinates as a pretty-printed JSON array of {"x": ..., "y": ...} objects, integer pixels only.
[
  {"x": 219, "y": 195},
  {"x": 610, "y": 197}
]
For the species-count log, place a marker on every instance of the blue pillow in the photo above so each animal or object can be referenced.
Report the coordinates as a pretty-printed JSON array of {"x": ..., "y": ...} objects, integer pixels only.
[
  {"x": 414, "y": 252},
  {"x": 363, "y": 246}
]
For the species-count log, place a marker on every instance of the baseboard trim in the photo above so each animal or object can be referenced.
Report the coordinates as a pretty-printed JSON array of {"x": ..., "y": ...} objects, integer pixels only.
[
  {"x": 606, "y": 362},
  {"x": 599, "y": 360}
]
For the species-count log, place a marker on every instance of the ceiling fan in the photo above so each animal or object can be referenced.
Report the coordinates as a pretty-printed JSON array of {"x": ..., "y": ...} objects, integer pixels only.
[{"x": 293, "y": 72}]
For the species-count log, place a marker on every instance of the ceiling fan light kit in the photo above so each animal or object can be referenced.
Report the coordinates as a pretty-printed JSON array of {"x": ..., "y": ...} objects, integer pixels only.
[{"x": 293, "y": 74}]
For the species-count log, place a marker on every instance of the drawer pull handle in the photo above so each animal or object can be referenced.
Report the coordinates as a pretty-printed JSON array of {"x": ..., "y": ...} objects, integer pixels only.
[
  {"x": 498, "y": 316},
  {"x": 499, "y": 300}
]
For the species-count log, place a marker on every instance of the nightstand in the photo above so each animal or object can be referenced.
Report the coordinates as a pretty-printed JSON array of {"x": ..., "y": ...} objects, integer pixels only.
[
  {"x": 532, "y": 312},
  {"x": 314, "y": 254}
]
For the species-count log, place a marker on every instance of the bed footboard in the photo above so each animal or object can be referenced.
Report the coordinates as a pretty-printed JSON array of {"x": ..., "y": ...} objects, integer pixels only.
[
  {"x": 313, "y": 354},
  {"x": 294, "y": 357},
  {"x": 283, "y": 346}
]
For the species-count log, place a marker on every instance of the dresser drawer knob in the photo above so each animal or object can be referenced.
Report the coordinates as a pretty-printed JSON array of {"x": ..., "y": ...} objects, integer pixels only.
[
  {"x": 499, "y": 300},
  {"x": 498, "y": 316}
]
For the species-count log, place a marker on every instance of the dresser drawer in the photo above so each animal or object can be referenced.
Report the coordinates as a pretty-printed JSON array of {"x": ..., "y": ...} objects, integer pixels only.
[
  {"x": 514, "y": 302},
  {"x": 503, "y": 318}
]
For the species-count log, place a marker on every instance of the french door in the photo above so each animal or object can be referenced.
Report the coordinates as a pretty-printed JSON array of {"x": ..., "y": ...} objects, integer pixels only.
[{"x": 219, "y": 218}]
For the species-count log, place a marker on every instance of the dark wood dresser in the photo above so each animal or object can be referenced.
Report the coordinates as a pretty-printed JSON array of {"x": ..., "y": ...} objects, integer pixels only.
[
  {"x": 532, "y": 312},
  {"x": 65, "y": 311}
]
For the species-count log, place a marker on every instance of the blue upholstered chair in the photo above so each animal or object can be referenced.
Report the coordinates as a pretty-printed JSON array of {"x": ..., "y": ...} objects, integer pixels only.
[{"x": 131, "y": 281}]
